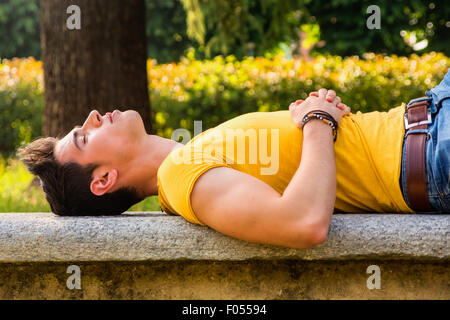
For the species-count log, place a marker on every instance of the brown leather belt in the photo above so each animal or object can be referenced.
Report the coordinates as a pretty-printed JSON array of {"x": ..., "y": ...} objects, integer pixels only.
[{"x": 417, "y": 116}]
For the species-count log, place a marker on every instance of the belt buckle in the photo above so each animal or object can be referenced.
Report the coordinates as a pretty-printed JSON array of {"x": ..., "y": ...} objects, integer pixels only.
[{"x": 415, "y": 124}]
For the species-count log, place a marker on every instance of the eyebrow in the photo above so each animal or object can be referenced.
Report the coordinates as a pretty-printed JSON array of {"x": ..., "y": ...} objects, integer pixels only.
[{"x": 75, "y": 140}]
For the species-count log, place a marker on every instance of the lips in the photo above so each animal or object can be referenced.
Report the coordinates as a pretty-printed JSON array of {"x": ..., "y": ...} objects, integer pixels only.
[
  {"x": 109, "y": 116},
  {"x": 112, "y": 116}
]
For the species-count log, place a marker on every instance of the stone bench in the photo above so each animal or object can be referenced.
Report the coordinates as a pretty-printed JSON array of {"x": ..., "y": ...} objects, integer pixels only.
[{"x": 152, "y": 255}]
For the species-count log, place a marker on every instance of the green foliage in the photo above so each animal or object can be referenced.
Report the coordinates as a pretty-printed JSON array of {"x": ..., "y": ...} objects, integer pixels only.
[
  {"x": 167, "y": 40},
  {"x": 252, "y": 27},
  {"x": 16, "y": 194},
  {"x": 219, "y": 89},
  {"x": 256, "y": 27},
  {"x": 21, "y": 103},
  {"x": 19, "y": 117},
  {"x": 148, "y": 204},
  {"x": 343, "y": 26},
  {"x": 19, "y": 28},
  {"x": 165, "y": 29},
  {"x": 242, "y": 27}
]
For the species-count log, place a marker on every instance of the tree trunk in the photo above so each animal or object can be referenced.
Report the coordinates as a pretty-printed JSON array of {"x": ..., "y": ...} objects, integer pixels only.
[{"x": 100, "y": 66}]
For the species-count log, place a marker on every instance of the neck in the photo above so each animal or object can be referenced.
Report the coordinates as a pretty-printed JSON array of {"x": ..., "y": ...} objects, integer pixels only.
[{"x": 142, "y": 171}]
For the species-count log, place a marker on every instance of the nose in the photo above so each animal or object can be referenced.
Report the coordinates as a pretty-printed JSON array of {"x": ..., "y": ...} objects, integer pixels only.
[{"x": 94, "y": 119}]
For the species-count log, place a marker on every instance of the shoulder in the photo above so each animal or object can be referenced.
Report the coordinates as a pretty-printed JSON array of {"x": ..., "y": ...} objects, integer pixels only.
[{"x": 177, "y": 176}]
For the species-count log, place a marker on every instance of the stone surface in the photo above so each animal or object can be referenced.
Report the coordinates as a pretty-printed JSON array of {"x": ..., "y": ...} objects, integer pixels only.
[
  {"x": 237, "y": 280},
  {"x": 41, "y": 237}
]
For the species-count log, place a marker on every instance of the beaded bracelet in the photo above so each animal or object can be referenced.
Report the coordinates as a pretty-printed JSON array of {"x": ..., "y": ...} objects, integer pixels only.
[{"x": 325, "y": 117}]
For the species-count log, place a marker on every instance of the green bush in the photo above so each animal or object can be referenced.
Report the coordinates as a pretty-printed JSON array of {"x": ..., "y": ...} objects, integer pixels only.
[
  {"x": 216, "y": 90},
  {"x": 219, "y": 89},
  {"x": 21, "y": 103},
  {"x": 19, "y": 28}
]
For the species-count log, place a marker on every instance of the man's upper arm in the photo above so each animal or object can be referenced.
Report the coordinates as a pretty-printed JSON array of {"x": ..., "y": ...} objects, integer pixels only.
[{"x": 242, "y": 206}]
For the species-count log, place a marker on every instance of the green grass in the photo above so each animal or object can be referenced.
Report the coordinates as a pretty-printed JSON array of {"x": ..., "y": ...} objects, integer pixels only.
[
  {"x": 148, "y": 204},
  {"x": 16, "y": 194}
]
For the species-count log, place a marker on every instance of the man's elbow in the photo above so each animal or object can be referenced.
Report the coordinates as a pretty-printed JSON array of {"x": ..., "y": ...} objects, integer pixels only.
[
  {"x": 311, "y": 234},
  {"x": 319, "y": 236}
]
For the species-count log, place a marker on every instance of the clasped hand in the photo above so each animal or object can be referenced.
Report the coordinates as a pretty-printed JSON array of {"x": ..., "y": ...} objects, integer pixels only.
[{"x": 324, "y": 100}]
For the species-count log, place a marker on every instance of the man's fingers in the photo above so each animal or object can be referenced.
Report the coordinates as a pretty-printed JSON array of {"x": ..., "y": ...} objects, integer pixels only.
[
  {"x": 331, "y": 95},
  {"x": 296, "y": 103},
  {"x": 323, "y": 93},
  {"x": 337, "y": 100},
  {"x": 344, "y": 108}
]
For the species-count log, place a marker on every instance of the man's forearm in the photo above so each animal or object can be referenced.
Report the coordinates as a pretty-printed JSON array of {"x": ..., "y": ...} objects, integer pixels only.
[{"x": 312, "y": 189}]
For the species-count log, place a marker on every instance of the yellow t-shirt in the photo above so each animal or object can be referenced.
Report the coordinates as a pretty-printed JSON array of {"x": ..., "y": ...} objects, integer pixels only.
[{"x": 268, "y": 146}]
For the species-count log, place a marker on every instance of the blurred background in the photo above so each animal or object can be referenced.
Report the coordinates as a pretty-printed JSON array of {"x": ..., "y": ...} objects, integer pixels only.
[{"x": 177, "y": 61}]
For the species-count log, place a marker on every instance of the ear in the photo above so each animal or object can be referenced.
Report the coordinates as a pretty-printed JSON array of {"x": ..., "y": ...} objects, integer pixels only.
[{"x": 103, "y": 181}]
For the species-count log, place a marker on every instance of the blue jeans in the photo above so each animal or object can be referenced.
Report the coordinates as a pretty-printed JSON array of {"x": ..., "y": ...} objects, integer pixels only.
[{"x": 437, "y": 149}]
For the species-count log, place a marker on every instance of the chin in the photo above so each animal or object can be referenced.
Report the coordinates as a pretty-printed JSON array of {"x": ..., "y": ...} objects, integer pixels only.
[{"x": 134, "y": 119}]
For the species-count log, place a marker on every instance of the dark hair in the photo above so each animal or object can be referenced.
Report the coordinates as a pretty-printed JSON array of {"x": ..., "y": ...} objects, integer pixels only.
[{"x": 67, "y": 186}]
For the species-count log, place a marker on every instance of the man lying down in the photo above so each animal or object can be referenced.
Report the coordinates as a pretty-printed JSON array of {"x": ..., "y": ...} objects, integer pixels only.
[{"x": 266, "y": 177}]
